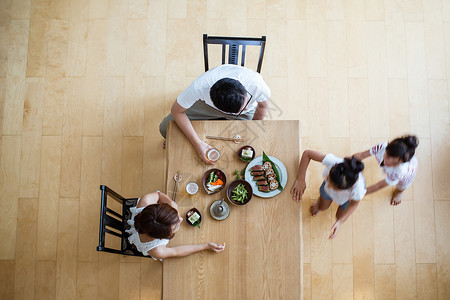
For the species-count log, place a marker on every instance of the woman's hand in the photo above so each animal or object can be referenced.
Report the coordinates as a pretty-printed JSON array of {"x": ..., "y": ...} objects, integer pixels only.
[
  {"x": 335, "y": 229},
  {"x": 215, "y": 247},
  {"x": 298, "y": 189},
  {"x": 202, "y": 148}
]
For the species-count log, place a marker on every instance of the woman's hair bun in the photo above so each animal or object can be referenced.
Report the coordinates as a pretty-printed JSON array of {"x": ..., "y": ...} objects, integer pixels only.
[{"x": 356, "y": 165}]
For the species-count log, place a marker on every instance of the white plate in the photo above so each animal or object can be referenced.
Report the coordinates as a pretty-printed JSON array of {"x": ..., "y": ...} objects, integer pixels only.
[{"x": 281, "y": 171}]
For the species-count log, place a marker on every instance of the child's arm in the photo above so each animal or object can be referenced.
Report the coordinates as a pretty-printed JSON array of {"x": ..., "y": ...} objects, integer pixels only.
[
  {"x": 162, "y": 252},
  {"x": 343, "y": 217},
  {"x": 362, "y": 155},
  {"x": 377, "y": 186},
  {"x": 299, "y": 186}
]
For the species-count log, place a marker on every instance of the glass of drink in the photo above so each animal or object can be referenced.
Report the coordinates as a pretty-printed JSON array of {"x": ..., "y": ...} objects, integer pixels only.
[
  {"x": 213, "y": 154},
  {"x": 192, "y": 188}
]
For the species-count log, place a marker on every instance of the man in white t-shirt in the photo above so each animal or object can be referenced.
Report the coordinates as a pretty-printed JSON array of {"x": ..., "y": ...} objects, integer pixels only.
[{"x": 226, "y": 92}]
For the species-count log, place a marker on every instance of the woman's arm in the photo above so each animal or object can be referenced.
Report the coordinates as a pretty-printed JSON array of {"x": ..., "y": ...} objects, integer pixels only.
[
  {"x": 343, "y": 217},
  {"x": 162, "y": 252},
  {"x": 178, "y": 113},
  {"x": 299, "y": 186},
  {"x": 377, "y": 186},
  {"x": 261, "y": 110},
  {"x": 362, "y": 155}
]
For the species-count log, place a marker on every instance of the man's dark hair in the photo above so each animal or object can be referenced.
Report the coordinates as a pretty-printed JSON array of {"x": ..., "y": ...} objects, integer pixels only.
[{"x": 228, "y": 95}]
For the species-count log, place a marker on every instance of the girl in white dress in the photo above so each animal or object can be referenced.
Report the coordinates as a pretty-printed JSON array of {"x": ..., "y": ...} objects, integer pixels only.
[
  {"x": 397, "y": 161},
  {"x": 343, "y": 183},
  {"x": 154, "y": 221}
]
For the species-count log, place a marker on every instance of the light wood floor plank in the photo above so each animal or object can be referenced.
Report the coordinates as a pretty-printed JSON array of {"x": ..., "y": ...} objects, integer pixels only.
[
  {"x": 439, "y": 110},
  {"x": 276, "y": 63},
  {"x": 45, "y": 285},
  {"x": 342, "y": 281},
  {"x": 67, "y": 263},
  {"x": 383, "y": 216},
  {"x": 423, "y": 203},
  {"x": 91, "y": 161},
  {"x": 385, "y": 281},
  {"x": 442, "y": 210},
  {"x": 60, "y": 9},
  {"x": 316, "y": 30},
  {"x": 427, "y": 283},
  {"x": 71, "y": 138},
  {"x": 98, "y": 9},
  {"x": 363, "y": 251},
  {"x": 156, "y": 37},
  {"x": 77, "y": 37},
  {"x": 55, "y": 77},
  {"x": 434, "y": 40},
  {"x": 356, "y": 39},
  {"x": 108, "y": 271},
  {"x": 138, "y": 9},
  {"x": 413, "y": 10},
  {"x": 151, "y": 289},
  {"x": 20, "y": 9},
  {"x": 337, "y": 79},
  {"x": 137, "y": 52},
  {"x": 31, "y": 136},
  {"x": 116, "y": 38},
  {"x": 7, "y": 279},
  {"x": 132, "y": 184},
  {"x": 87, "y": 280},
  {"x": 395, "y": 39},
  {"x": 374, "y": 10},
  {"x": 377, "y": 79},
  {"x": 39, "y": 30},
  {"x": 359, "y": 114},
  {"x": 404, "y": 251},
  {"x": 15, "y": 82},
  {"x": 26, "y": 249},
  {"x": 93, "y": 112},
  {"x": 47, "y": 234},
  {"x": 128, "y": 285},
  {"x": 4, "y": 40},
  {"x": 9, "y": 193},
  {"x": 399, "y": 122},
  {"x": 417, "y": 83}
]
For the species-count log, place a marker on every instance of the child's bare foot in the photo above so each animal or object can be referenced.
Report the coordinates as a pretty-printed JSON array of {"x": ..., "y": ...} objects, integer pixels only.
[
  {"x": 396, "y": 198},
  {"x": 314, "y": 209}
]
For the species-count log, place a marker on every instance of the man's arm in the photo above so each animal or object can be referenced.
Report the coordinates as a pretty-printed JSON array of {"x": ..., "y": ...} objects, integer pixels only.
[
  {"x": 261, "y": 110},
  {"x": 178, "y": 113}
]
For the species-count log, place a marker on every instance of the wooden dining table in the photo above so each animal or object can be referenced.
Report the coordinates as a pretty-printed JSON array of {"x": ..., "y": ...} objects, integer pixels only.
[{"x": 263, "y": 254}]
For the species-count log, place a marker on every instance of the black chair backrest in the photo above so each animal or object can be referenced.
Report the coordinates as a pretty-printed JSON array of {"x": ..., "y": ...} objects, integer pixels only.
[
  {"x": 234, "y": 44},
  {"x": 115, "y": 223}
]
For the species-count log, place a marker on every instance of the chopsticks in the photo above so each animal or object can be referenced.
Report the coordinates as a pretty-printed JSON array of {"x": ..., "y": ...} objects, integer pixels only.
[{"x": 233, "y": 139}]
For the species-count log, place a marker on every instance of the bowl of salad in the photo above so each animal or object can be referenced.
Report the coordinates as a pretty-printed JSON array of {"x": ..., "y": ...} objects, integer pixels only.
[
  {"x": 239, "y": 192},
  {"x": 214, "y": 181}
]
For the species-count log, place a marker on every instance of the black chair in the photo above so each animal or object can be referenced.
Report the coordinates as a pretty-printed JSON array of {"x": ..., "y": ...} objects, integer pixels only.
[
  {"x": 114, "y": 223},
  {"x": 234, "y": 44}
]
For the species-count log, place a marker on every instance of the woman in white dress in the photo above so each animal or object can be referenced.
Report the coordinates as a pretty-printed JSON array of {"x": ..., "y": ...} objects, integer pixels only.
[{"x": 154, "y": 221}]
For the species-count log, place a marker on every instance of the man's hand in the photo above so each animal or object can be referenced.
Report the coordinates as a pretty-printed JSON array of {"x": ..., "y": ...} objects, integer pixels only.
[{"x": 202, "y": 148}]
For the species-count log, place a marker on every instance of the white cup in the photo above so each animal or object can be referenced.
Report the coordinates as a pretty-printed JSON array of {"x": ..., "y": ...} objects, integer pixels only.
[
  {"x": 213, "y": 155},
  {"x": 192, "y": 188}
]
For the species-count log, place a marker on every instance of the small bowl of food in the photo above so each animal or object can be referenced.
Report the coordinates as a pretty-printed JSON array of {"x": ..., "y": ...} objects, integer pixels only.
[
  {"x": 214, "y": 181},
  {"x": 193, "y": 217},
  {"x": 246, "y": 153},
  {"x": 239, "y": 192}
]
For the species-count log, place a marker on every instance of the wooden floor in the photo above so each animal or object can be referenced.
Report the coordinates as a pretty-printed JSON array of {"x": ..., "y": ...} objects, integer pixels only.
[{"x": 85, "y": 83}]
